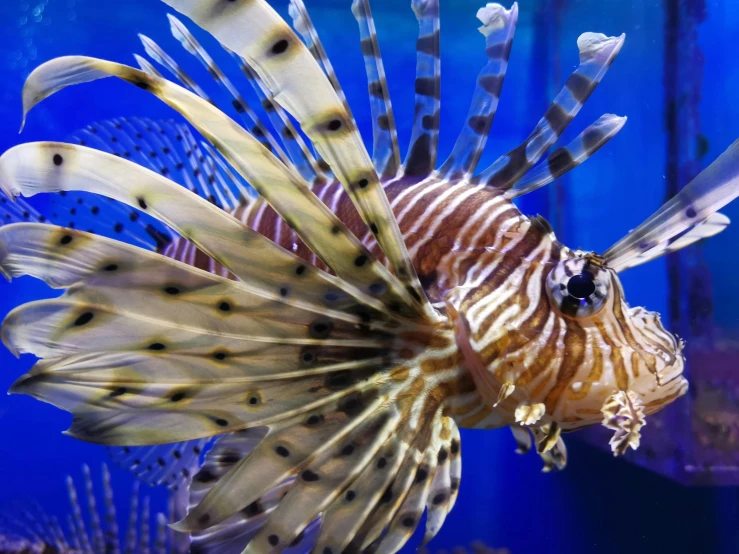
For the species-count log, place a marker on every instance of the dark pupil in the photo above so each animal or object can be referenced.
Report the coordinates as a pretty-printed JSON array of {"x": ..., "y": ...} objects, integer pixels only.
[{"x": 581, "y": 286}]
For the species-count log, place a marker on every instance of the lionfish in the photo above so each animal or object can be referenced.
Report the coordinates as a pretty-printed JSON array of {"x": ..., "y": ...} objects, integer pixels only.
[
  {"x": 87, "y": 530},
  {"x": 341, "y": 328}
]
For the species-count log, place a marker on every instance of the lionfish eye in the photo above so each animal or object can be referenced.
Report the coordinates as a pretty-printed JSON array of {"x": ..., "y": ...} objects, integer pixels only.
[
  {"x": 577, "y": 288},
  {"x": 581, "y": 286}
]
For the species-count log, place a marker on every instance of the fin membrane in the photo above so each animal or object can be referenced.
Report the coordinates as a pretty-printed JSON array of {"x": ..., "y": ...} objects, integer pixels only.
[{"x": 169, "y": 465}]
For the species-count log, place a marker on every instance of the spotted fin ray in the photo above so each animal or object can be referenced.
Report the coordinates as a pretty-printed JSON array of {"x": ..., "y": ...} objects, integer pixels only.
[
  {"x": 445, "y": 485},
  {"x": 234, "y": 533},
  {"x": 290, "y": 72},
  {"x": 170, "y": 465},
  {"x": 324, "y": 480},
  {"x": 293, "y": 141},
  {"x": 240, "y": 527},
  {"x": 303, "y": 25},
  {"x": 250, "y": 363},
  {"x": 354, "y": 473},
  {"x": 400, "y": 522},
  {"x": 289, "y": 449},
  {"x": 345, "y": 518},
  {"x": 302, "y": 156},
  {"x": 287, "y": 193},
  {"x": 249, "y": 118}
]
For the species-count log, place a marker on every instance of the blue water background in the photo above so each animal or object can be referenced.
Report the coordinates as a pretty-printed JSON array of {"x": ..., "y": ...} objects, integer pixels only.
[{"x": 598, "y": 504}]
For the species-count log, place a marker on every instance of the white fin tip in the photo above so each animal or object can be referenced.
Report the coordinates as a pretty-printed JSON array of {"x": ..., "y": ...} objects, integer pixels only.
[
  {"x": 298, "y": 21},
  {"x": 591, "y": 44},
  {"x": 495, "y": 17}
]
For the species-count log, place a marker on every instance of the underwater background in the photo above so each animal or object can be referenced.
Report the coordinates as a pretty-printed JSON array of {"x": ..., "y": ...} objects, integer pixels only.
[{"x": 676, "y": 80}]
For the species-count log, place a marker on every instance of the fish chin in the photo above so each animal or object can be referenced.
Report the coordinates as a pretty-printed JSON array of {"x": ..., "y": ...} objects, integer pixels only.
[
  {"x": 661, "y": 350},
  {"x": 657, "y": 382}
]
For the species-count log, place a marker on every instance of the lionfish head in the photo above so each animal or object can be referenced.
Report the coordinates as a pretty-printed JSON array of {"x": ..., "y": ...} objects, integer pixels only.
[
  {"x": 549, "y": 336},
  {"x": 617, "y": 363}
]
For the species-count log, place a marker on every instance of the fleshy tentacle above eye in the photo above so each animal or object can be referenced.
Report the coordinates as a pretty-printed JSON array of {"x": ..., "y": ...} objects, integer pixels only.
[{"x": 691, "y": 211}]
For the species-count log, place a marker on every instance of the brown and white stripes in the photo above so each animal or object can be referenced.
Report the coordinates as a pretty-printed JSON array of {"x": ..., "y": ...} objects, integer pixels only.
[{"x": 469, "y": 242}]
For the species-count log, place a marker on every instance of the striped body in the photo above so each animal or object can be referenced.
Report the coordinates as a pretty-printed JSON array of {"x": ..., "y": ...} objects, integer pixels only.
[
  {"x": 438, "y": 219},
  {"x": 471, "y": 243}
]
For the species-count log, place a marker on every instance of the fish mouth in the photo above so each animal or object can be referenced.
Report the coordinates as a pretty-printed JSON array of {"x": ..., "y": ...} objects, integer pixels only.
[{"x": 662, "y": 345}]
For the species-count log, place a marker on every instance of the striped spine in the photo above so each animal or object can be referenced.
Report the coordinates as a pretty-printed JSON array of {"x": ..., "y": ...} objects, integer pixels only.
[
  {"x": 597, "y": 52},
  {"x": 499, "y": 26},
  {"x": 386, "y": 152},
  {"x": 568, "y": 157},
  {"x": 421, "y": 157},
  {"x": 291, "y": 137}
]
